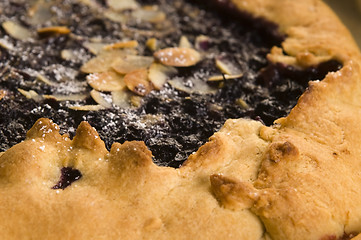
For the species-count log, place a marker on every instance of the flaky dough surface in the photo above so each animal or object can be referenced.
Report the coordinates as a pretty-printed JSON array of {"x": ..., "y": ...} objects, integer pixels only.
[{"x": 299, "y": 179}]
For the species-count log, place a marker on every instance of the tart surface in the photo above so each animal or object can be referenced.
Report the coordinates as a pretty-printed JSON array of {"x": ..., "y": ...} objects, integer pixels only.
[
  {"x": 297, "y": 179},
  {"x": 87, "y": 67}
]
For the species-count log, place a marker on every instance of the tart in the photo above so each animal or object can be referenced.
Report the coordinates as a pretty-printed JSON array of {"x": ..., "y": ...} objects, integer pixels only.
[{"x": 166, "y": 76}]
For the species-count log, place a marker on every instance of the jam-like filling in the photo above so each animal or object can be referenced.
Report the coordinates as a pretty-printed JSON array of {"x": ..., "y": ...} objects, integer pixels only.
[
  {"x": 346, "y": 236},
  {"x": 172, "y": 122},
  {"x": 68, "y": 176}
]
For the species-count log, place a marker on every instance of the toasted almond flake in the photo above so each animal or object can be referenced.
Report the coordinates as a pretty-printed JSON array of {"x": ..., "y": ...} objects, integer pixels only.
[
  {"x": 151, "y": 15},
  {"x": 127, "y": 44},
  {"x": 106, "y": 81},
  {"x": 131, "y": 63},
  {"x": 44, "y": 79},
  {"x": 217, "y": 78},
  {"x": 227, "y": 67},
  {"x": 31, "y": 94},
  {"x": 16, "y": 31},
  {"x": 35, "y": 5},
  {"x": 136, "y": 101},
  {"x": 158, "y": 74},
  {"x": 98, "y": 98},
  {"x": 137, "y": 82},
  {"x": 54, "y": 30},
  {"x": 221, "y": 84},
  {"x": 120, "y": 5},
  {"x": 96, "y": 39},
  {"x": 39, "y": 12},
  {"x": 115, "y": 16},
  {"x": 152, "y": 44},
  {"x": 77, "y": 37},
  {"x": 67, "y": 54},
  {"x": 71, "y": 97},
  {"x": 87, "y": 108},
  {"x": 94, "y": 47},
  {"x": 178, "y": 57},
  {"x": 6, "y": 44},
  {"x": 151, "y": 119},
  {"x": 25, "y": 93},
  {"x": 121, "y": 98},
  {"x": 184, "y": 42},
  {"x": 192, "y": 86},
  {"x": 242, "y": 103},
  {"x": 215, "y": 107},
  {"x": 224, "y": 77},
  {"x": 103, "y": 61}
]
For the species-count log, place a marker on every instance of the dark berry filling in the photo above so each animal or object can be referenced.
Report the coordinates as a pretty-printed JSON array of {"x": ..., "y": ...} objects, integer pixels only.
[
  {"x": 68, "y": 176},
  {"x": 172, "y": 122},
  {"x": 346, "y": 236}
]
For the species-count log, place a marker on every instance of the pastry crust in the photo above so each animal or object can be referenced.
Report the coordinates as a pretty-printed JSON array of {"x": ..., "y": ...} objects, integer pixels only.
[{"x": 299, "y": 179}]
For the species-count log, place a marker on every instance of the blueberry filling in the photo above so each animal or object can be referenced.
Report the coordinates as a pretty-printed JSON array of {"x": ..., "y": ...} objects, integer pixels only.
[
  {"x": 345, "y": 236},
  {"x": 68, "y": 176},
  {"x": 172, "y": 122}
]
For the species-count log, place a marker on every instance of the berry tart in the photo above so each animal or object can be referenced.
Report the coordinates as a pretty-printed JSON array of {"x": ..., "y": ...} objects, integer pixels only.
[{"x": 183, "y": 119}]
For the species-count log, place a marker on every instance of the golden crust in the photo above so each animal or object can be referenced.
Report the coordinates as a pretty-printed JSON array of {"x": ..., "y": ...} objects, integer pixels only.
[
  {"x": 296, "y": 180},
  {"x": 314, "y": 33},
  {"x": 122, "y": 193}
]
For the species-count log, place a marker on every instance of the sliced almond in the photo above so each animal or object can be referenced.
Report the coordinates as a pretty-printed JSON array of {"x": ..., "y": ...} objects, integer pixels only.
[
  {"x": 152, "y": 44},
  {"x": 184, "y": 42},
  {"x": 99, "y": 98},
  {"x": 242, "y": 103},
  {"x": 158, "y": 74},
  {"x": 16, "y": 30},
  {"x": 39, "y": 12},
  {"x": 127, "y": 44},
  {"x": 192, "y": 86},
  {"x": 71, "y": 97},
  {"x": 31, "y": 94},
  {"x": 4, "y": 43},
  {"x": 87, "y": 108},
  {"x": 103, "y": 61},
  {"x": 120, "y": 5},
  {"x": 136, "y": 101},
  {"x": 131, "y": 63},
  {"x": 106, "y": 81},
  {"x": 94, "y": 47},
  {"x": 115, "y": 16},
  {"x": 137, "y": 82},
  {"x": 67, "y": 54},
  {"x": 121, "y": 98},
  {"x": 53, "y": 30},
  {"x": 224, "y": 77},
  {"x": 151, "y": 15},
  {"x": 44, "y": 79},
  {"x": 227, "y": 67},
  {"x": 178, "y": 57}
]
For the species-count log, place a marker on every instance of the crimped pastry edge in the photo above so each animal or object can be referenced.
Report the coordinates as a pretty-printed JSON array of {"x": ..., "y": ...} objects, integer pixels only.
[{"x": 246, "y": 174}]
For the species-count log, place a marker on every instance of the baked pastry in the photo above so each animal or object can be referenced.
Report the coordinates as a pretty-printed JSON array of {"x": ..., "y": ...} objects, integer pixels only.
[{"x": 295, "y": 179}]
